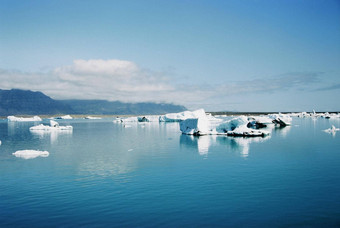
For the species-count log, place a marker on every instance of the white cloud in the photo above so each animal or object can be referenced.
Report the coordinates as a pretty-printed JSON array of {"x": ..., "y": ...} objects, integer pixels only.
[{"x": 126, "y": 81}]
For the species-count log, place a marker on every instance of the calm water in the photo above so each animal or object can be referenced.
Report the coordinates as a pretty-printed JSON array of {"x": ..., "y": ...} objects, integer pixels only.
[{"x": 105, "y": 175}]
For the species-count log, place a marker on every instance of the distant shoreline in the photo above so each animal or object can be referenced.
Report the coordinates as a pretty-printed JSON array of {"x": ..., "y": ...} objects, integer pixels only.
[{"x": 79, "y": 116}]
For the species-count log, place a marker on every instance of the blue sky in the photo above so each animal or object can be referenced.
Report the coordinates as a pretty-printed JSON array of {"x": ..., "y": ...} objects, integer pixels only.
[{"x": 218, "y": 55}]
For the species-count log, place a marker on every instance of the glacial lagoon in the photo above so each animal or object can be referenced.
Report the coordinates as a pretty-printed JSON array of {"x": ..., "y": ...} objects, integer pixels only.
[{"x": 103, "y": 174}]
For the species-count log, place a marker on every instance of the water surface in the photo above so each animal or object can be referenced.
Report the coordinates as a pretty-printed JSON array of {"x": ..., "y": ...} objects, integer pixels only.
[{"x": 103, "y": 174}]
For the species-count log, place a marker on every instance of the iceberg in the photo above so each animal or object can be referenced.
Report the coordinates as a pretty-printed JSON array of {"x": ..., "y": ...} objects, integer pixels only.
[
  {"x": 177, "y": 117},
  {"x": 23, "y": 119},
  {"x": 54, "y": 126},
  {"x": 281, "y": 119},
  {"x": 259, "y": 121},
  {"x": 129, "y": 119},
  {"x": 332, "y": 130},
  {"x": 92, "y": 118},
  {"x": 205, "y": 126},
  {"x": 29, "y": 154},
  {"x": 198, "y": 126},
  {"x": 148, "y": 118},
  {"x": 66, "y": 117}
]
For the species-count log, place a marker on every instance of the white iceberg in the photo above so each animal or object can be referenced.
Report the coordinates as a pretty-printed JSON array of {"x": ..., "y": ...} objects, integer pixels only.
[
  {"x": 234, "y": 127},
  {"x": 92, "y": 118},
  {"x": 23, "y": 119},
  {"x": 281, "y": 119},
  {"x": 66, "y": 117},
  {"x": 259, "y": 121},
  {"x": 332, "y": 130},
  {"x": 198, "y": 126},
  {"x": 244, "y": 131},
  {"x": 54, "y": 126},
  {"x": 29, "y": 154},
  {"x": 148, "y": 118},
  {"x": 177, "y": 117},
  {"x": 126, "y": 120}
]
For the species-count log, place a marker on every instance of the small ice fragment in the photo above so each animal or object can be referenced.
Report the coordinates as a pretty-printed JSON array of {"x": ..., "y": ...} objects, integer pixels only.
[
  {"x": 332, "y": 130},
  {"x": 92, "y": 118},
  {"x": 130, "y": 149},
  {"x": 66, "y": 117},
  {"x": 29, "y": 154}
]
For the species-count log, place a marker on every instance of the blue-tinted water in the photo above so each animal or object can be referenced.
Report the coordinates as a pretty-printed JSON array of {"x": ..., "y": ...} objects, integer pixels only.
[{"x": 105, "y": 175}]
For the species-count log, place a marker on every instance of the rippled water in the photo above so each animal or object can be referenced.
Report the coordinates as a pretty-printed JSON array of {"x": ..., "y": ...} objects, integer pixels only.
[{"x": 149, "y": 174}]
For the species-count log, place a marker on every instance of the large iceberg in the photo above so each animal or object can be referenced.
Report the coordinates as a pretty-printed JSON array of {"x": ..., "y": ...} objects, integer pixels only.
[
  {"x": 29, "y": 154},
  {"x": 23, "y": 119},
  {"x": 177, "y": 117},
  {"x": 203, "y": 125},
  {"x": 54, "y": 126}
]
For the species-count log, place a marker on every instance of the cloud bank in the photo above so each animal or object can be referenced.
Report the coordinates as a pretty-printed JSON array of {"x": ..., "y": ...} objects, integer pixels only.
[{"x": 126, "y": 81}]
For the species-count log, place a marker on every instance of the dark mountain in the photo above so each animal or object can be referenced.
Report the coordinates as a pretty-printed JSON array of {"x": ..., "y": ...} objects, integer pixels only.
[
  {"x": 25, "y": 102},
  {"x": 116, "y": 107},
  {"x": 16, "y": 101}
]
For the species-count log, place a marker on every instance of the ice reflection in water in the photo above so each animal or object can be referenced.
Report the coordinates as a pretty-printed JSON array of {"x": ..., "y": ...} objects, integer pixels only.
[
  {"x": 240, "y": 145},
  {"x": 52, "y": 134}
]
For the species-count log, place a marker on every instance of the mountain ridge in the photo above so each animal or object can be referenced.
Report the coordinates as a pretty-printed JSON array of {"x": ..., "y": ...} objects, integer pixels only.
[{"x": 26, "y": 102}]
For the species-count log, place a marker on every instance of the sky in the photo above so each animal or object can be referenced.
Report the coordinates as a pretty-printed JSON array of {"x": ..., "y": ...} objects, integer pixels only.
[{"x": 232, "y": 55}]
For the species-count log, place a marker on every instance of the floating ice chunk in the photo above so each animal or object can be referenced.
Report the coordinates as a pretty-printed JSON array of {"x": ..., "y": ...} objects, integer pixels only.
[
  {"x": 243, "y": 130},
  {"x": 177, "y": 117},
  {"x": 23, "y": 119},
  {"x": 232, "y": 124},
  {"x": 234, "y": 127},
  {"x": 54, "y": 126},
  {"x": 117, "y": 120},
  {"x": 92, "y": 118},
  {"x": 66, "y": 117},
  {"x": 29, "y": 154},
  {"x": 127, "y": 125},
  {"x": 303, "y": 114},
  {"x": 0, "y": 142},
  {"x": 198, "y": 126},
  {"x": 259, "y": 121},
  {"x": 148, "y": 118},
  {"x": 332, "y": 130},
  {"x": 281, "y": 119},
  {"x": 129, "y": 119}
]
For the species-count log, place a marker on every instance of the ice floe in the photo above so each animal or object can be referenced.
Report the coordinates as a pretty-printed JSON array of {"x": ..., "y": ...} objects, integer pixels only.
[
  {"x": 66, "y": 117},
  {"x": 148, "y": 118},
  {"x": 332, "y": 130},
  {"x": 92, "y": 118},
  {"x": 206, "y": 126},
  {"x": 177, "y": 117},
  {"x": 54, "y": 126},
  {"x": 29, "y": 154},
  {"x": 23, "y": 119},
  {"x": 281, "y": 119}
]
